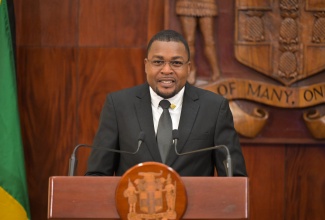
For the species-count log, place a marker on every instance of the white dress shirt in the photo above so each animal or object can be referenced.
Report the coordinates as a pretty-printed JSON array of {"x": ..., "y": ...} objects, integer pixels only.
[{"x": 175, "y": 112}]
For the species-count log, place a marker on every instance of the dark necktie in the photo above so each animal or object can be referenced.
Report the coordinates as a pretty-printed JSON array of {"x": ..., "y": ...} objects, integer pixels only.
[{"x": 164, "y": 131}]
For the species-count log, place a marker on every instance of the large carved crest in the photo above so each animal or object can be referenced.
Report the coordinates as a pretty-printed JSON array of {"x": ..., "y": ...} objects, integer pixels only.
[
  {"x": 281, "y": 38},
  {"x": 150, "y": 191},
  {"x": 281, "y": 44}
]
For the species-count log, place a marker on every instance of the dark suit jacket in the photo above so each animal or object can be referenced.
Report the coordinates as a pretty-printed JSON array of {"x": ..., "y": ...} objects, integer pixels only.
[{"x": 205, "y": 121}]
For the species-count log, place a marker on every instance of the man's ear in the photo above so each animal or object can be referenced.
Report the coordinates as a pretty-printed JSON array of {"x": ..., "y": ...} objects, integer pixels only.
[
  {"x": 145, "y": 65},
  {"x": 189, "y": 67}
]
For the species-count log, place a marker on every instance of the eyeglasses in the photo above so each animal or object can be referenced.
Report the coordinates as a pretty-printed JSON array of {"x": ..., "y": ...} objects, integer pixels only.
[{"x": 174, "y": 64}]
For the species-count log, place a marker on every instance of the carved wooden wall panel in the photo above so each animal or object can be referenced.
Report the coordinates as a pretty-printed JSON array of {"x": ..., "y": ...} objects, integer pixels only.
[
  {"x": 47, "y": 93},
  {"x": 111, "y": 23},
  {"x": 71, "y": 53},
  {"x": 270, "y": 55},
  {"x": 267, "y": 190},
  {"x": 304, "y": 183},
  {"x": 46, "y": 22},
  {"x": 100, "y": 73}
]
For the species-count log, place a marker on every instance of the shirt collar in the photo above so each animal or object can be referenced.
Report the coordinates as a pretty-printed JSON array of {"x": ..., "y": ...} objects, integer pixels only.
[{"x": 176, "y": 100}]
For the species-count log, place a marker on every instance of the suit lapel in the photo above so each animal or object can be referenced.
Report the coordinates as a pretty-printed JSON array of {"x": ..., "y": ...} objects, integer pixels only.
[
  {"x": 188, "y": 115},
  {"x": 144, "y": 113}
]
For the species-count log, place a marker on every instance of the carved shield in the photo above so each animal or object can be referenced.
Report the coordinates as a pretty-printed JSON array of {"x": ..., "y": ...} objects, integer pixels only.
[
  {"x": 283, "y": 39},
  {"x": 151, "y": 202}
]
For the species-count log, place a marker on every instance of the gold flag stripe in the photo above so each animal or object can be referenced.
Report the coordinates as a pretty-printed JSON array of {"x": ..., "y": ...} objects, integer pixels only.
[{"x": 10, "y": 208}]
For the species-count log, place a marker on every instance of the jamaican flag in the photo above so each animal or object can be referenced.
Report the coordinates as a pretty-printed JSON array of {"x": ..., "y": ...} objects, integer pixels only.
[{"x": 14, "y": 203}]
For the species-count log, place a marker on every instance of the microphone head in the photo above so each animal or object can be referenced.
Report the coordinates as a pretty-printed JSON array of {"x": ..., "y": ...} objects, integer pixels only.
[
  {"x": 175, "y": 134},
  {"x": 141, "y": 136}
]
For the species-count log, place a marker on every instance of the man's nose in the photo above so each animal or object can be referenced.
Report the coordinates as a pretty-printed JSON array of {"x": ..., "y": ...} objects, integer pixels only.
[{"x": 166, "y": 68}]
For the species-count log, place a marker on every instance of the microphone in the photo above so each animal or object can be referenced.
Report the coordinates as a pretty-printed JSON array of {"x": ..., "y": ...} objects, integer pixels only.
[
  {"x": 228, "y": 160},
  {"x": 73, "y": 162}
]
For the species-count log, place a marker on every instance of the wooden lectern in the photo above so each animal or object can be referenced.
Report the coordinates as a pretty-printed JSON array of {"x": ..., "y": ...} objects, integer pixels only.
[{"x": 94, "y": 197}]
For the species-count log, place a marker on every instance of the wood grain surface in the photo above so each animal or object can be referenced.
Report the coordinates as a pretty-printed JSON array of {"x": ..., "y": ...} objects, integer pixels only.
[{"x": 71, "y": 53}]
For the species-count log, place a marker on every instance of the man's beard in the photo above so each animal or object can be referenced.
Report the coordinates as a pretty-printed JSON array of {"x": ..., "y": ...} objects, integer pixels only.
[{"x": 165, "y": 96}]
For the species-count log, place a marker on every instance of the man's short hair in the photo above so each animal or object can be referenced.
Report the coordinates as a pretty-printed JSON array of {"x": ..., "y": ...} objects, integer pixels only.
[{"x": 167, "y": 36}]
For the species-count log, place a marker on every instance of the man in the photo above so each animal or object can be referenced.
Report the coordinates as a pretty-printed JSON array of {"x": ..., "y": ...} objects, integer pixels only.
[{"x": 202, "y": 118}]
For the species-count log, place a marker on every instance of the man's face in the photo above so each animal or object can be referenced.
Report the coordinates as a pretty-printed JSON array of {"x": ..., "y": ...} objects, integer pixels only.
[{"x": 169, "y": 78}]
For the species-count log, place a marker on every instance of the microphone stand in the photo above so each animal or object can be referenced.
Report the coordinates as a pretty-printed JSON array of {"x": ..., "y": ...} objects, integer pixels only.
[
  {"x": 228, "y": 160},
  {"x": 73, "y": 162}
]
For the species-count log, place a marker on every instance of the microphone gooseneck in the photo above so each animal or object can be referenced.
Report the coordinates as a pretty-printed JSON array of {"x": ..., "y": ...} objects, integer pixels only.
[
  {"x": 228, "y": 160},
  {"x": 73, "y": 162}
]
